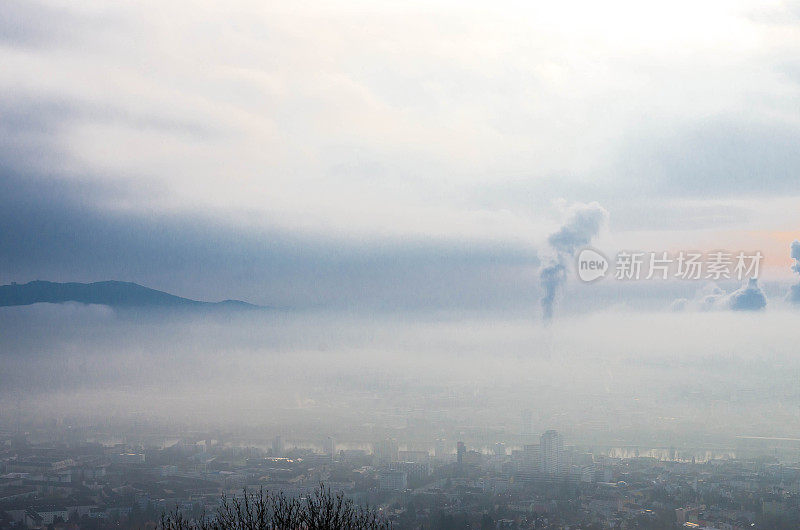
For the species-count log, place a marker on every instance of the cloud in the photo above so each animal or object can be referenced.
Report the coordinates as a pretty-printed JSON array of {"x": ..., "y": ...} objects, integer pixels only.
[
  {"x": 50, "y": 232},
  {"x": 711, "y": 297},
  {"x": 795, "y": 254},
  {"x": 794, "y": 294},
  {"x": 679, "y": 304},
  {"x": 749, "y": 297},
  {"x": 289, "y": 166},
  {"x": 32, "y": 24},
  {"x": 722, "y": 156},
  {"x": 338, "y": 133},
  {"x": 794, "y": 290}
]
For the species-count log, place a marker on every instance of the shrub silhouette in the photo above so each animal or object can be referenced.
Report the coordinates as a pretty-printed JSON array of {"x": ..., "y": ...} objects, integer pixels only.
[{"x": 265, "y": 510}]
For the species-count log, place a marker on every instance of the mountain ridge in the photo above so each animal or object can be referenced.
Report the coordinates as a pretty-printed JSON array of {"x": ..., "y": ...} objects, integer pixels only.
[{"x": 112, "y": 293}]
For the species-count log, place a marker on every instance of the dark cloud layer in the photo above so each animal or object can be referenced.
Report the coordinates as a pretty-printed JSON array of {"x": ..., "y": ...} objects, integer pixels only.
[
  {"x": 53, "y": 226},
  {"x": 50, "y": 230},
  {"x": 722, "y": 156},
  {"x": 31, "y": 24}
]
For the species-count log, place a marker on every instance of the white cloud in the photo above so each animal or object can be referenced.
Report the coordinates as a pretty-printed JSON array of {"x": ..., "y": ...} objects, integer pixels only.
[{"x": 384, "y": 119}]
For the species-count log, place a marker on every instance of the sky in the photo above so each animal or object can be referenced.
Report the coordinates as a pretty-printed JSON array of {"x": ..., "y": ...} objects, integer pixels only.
[
  {"x": 388, "y": 154},
  {"x": 407, "y": 185}
]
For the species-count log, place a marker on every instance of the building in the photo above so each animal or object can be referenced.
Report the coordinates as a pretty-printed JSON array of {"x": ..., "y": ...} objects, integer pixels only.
[
  {"x": 392, "y": 480},
  {"x": 414, "y": 456},
  {"x": 472, "y": 458},
  {"x": 688, "y": 514},
  {"x": 528, "y": 460},
  {"x": 460, "y": 452},
  {"x": 440, "y": 450},
  {"x": 329, "y": 446},
  {"x": 386, "y": 451},
  {"x": 353, "y": 456},
  {"x": 277, "y": 446},
  {"x": 413, "y": 470},
  {"x": 127, "y": 458},
  {"x": 36, "y": 464},
  {"x": 551, "y": 448}
]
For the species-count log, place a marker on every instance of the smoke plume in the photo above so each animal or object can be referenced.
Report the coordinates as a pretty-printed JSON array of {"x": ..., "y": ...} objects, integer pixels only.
[{"x": 583, "y": 223}]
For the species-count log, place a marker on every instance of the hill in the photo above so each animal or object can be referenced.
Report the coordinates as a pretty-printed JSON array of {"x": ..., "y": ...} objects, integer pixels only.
[{"x": 110, "y": 293}]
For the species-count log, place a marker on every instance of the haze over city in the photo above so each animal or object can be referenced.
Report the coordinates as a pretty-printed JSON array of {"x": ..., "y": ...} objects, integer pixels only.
[{"x": 359, "y": 229}]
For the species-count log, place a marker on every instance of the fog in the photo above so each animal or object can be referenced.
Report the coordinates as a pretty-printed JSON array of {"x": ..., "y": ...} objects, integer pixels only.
[{"x": 610, "y": 377}]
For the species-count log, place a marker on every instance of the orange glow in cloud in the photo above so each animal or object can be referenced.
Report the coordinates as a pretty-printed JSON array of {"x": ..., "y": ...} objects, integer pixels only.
[{"x": 773, "y": 244}]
